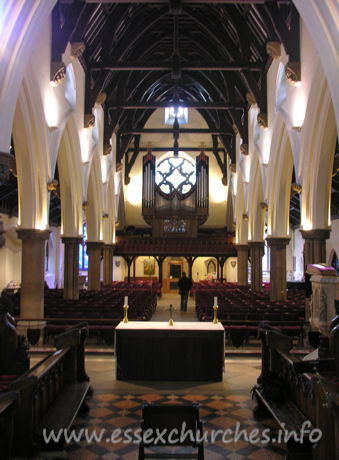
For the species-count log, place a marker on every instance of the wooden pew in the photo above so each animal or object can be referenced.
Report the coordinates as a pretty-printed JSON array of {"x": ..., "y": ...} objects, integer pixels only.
[
  {"x": 8, "y": 405},
  {"x": 306, "y": 395},
  {"x": 51, "y": 394}
]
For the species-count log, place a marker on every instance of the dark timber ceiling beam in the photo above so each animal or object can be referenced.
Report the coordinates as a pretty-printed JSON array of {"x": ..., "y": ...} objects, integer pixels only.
[
  {"x": 185, "y": 2},
  {"x": 171, "y": 131},
  {"x": 196, "y": 66},
  {"x": 183, "y": 149},
  {"x": 219, "y": 105},
  {"x": 130, "y": 162}
]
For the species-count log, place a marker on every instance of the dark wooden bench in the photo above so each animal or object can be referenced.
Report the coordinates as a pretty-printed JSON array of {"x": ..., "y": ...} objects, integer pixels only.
[
  {"x": 290, "y": 419},
  {"x": 8, "y": 405},
  {"x": 171, "y": 417},
  {"x": 303, "y": 396},
  {"x": 51, "y": 394}
]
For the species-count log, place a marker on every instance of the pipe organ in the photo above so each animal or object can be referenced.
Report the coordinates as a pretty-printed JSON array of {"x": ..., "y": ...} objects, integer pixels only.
[
  {"x": 148, "y": 184},
  {"x": 177, "y": 203},
  {"x": 202, "y": 181}
]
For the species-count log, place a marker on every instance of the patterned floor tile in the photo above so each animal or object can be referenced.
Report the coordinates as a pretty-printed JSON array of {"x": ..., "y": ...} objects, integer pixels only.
[
  {"x": 126, "y": 404},
  {"x": 194, "y": 398},
  {"x": 82, "y": 454},
  {"x": 150, "y": 398},
  {"x": 106, "y": 397},
  {"x": 217, "y": 413},
  {"x": 223, "y": 422},
  {"x": 219, "y": 404},
  {"x": 239, "y": 398},
  {"x": 100, "y": 412},
  {"x": 242, "y": 413},
  {"x": 121, "y": 421}
]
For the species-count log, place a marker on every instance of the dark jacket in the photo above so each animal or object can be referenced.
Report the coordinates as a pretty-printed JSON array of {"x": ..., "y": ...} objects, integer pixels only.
[{"x": 185, "y": 283}]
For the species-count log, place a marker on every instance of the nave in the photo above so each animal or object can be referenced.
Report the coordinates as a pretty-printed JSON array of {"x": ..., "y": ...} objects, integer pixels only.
[{"x": 117, "y": 404}]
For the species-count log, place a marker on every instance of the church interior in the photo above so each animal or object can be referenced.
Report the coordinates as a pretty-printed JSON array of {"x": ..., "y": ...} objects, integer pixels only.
[{"x": 142, "y": 140}]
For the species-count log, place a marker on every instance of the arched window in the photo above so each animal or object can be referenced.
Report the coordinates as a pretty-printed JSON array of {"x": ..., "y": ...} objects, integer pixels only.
[
  {"x": 83, "y": 257},
  {"x": 175, "y": 174}
]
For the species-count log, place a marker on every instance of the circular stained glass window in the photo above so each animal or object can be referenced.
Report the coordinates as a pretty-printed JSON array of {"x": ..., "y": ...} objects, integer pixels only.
[{"x": 175, "y": 174}]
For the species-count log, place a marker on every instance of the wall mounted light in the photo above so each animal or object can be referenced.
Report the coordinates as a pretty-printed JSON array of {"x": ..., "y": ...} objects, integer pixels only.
[
  {"x": 77, "y": 49},
  {"x": 101, "y": 98},
  {"x": 106, "y": 149},
  {"x": 295, "y": 189},
  {"x": 58, "y": 73},
  {"x": 293, "y": 73},
  {"x": 89, "y": 120},
  {"x": 262, "y": 120},
  {"x": 244, "y": 149},
  {"x": 52, "y": 186},
  {"x": 273, "y": 49},
  {"x": 251, "y": 99}
]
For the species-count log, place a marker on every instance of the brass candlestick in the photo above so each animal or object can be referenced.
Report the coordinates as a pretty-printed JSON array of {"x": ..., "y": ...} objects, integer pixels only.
[
  {"x": 125, "y": 314},
  {"x": 170, "y": 322},
  {"x": 215, "y": 308}
]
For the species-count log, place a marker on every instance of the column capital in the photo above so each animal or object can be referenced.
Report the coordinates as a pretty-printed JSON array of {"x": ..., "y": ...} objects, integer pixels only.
[
  {"x": 316, "y": 234},
  {"x": 94, "y": 244},
  {"x": 32, "y": 234},
  {"x": 278, "y": 241},
  {"x": 256, "y": 244},
  {"x": 241, "y": 246},
  {"x": 71, "y": 239},
  {"x": 108, "y": 246}
]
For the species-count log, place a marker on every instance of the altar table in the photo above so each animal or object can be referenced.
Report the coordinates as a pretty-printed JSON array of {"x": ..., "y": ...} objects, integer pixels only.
[{"x": 187, "y": 351}]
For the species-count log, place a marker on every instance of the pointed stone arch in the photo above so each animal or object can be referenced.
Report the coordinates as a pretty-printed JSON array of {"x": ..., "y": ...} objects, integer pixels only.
[
  {"x": 279, "y": 181},
  {"x": 32, "y": 157},
  {"x": 317, "y": 152},
  {"x": 256, "y": 212},
  {"x": 94, "y": 210},
  {"x": 21, "y": 26},
  {"x": 71, "y": 181}
]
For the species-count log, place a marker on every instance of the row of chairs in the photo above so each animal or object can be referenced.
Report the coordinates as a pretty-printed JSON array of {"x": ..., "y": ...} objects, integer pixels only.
[{"x": 241, "y": 310}]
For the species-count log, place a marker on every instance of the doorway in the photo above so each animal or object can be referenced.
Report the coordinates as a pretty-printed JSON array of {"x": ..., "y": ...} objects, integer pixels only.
[{"x": 174, "y": 273}]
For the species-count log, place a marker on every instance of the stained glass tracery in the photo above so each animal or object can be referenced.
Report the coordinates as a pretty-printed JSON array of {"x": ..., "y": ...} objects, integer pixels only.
[{"x": 175, "y": 175}]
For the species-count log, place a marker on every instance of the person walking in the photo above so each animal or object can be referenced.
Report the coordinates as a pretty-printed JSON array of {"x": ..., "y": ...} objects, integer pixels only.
[{"x": 185, "y": 285}]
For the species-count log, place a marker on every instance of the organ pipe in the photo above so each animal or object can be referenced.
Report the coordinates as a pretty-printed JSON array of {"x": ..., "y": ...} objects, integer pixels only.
[{"x": 202, "y": 181}]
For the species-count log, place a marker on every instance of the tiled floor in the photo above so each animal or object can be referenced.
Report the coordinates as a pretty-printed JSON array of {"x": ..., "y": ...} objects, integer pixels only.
[{"x": 222, "y": 406}]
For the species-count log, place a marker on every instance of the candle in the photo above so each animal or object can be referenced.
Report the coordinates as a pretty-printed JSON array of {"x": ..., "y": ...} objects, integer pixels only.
[
  {"x": 215, "y": 300},
  {"x": 126, "y": 300}
]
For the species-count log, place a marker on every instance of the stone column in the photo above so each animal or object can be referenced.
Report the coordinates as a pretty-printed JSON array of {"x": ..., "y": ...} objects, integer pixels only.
[
  {"x": 242, "y": 251},
  {"x": 324, "y": 288},
  {"x": 315, "y": 246},
  {"x": 71, "y": 267},
  {"x": 278, "y": 267},
  {"x": 94, "y": 259},
  {"x": 256, "y": 253},
  {"x": 108, "y": 264},
  {"x": 32, "y": 272}
]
